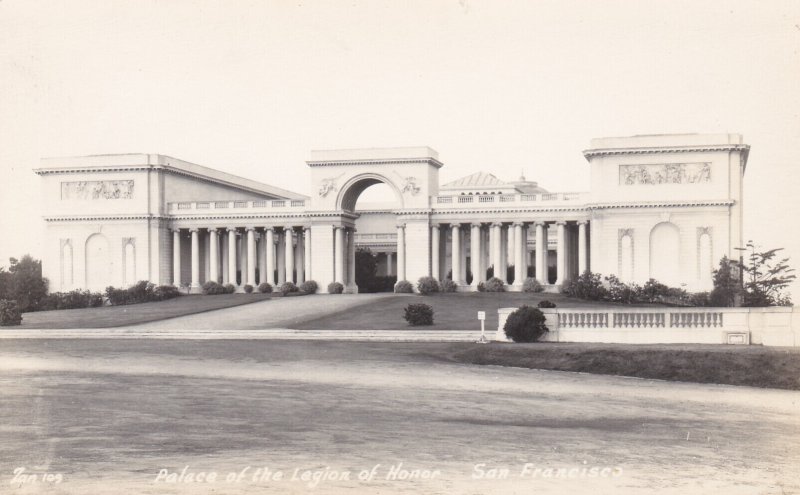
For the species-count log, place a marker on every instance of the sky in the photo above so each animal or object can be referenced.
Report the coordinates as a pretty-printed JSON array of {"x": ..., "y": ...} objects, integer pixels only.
[{"x": 250, "y": 87}]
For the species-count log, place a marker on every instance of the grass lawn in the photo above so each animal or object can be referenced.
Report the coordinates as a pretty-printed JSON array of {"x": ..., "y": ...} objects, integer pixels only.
[
  {"x": 120, "y": 316},
  {"x": 754, "y": 366},
  {"x": 457, "y": 311}
]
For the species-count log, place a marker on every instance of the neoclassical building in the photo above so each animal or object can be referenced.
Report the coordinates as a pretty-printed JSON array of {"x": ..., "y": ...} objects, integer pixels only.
[{"x": 665, "y": 206}]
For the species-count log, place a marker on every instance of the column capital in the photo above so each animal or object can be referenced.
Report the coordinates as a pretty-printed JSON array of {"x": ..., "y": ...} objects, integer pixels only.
[
  {"x": 212, "y": 229},
  {"x": 269, "y": 228},
  {"x": 518, "y": 224},
  {"x": 306, "y": 228},
  {"x": 401, "y": 225},
  {"x": 175, "y": 230},
  {"x": 435, "y": 225},
  {"x": 250, "y": 229},
  {"x": 194, "y": 229},
  {"x": 583, "y": 222},
  {"x": 476, "y": 224},
  {"x": 497, "y": 224},
  {"x": 231, "y": 229},
  {"x": 288, "y": 227},
  {"x": 561, "y": 222},
  {"x": 455, "y": 225}
]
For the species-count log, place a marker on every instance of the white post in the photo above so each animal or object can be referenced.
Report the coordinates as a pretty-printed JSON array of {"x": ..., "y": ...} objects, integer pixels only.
[
  {"x": 561, "y": 253},
  {"x": 401, "y": 252},
  {"x": 232, "y": 255},
  {"x": 475, "y": 254},
  {"x": 214, "y": 255},
  {"x": 435, "y": 270},
  {"x": 582, "y": 251},
  {"x": 195, "y": 259},
  {"x": 176, "y": 257}
]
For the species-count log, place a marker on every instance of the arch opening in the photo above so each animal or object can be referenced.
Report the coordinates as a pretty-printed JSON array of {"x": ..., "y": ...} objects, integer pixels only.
[
  {"x": 98, "y": 262},
  {"x": 665, "y": 253}
]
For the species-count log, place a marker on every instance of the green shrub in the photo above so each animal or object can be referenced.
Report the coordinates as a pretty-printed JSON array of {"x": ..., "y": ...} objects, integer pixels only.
[
  {"x": 164, "y": 292},
  {"x": 229, "y": 288},
  {"x": 532, "y": 285},
  {"x": 546, "y": 304},
  {"x": 620, "y": 292},
  {"x": 74, "y": 299},
  {"x": 335, "y": 288},
  {"x": 427, "y": 285},
  {"x": 701, "y": 299},
  {"x": 309, "y": 287},
  {"x": 288, "y": 287},
  {"x": 526, "y": 324},
  {"x": 26, "y": 285},
  {"x": 212, "y": 288},
  {"x": 449, "y": 286},
  {"x": 403, "y": 287},
  {"x": 587, "y": 286},
  {"x": 494, "y": 284},
  {"x": 249, "y": 288},
  {"x": 418, "y": 314},
  {"x": 10, "y": 315},
  {"x": 264, "y": 288}
]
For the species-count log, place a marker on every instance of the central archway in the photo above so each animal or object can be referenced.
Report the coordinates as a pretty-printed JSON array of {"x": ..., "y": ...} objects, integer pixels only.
[{"x": 373, "y": 200}]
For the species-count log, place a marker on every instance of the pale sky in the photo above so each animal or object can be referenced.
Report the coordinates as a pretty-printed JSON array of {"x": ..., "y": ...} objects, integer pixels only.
[{"x": 250, "y": 87}]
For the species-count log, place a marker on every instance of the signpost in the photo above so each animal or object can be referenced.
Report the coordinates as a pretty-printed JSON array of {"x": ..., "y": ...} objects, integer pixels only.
[{"x": 482, "y": 318}]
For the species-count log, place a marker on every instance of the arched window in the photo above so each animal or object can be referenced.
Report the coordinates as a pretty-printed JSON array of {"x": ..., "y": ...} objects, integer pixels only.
[
  {"x": 665, "y": 253},
  {"x": 130, "y": 262},
  {"x": 705, "y": 262},
  {"x": 67, "y": 274},
  {"x": 626, "y": 255},
  {"x": 98, "y": 263}
]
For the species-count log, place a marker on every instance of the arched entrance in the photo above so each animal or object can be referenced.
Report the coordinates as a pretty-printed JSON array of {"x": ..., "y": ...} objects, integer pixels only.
[
  {"x": 373, "y": 201},
  {"x": 98, "y": 262}
]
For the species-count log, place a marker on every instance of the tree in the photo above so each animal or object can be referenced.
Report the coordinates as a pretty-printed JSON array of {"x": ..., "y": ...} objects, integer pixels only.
[
  {"x": 5, "y": 284},
  {"x": 766, "y": 277},
  {"x": 726, "y": 283},
  {"x": 28, "y": 287}
]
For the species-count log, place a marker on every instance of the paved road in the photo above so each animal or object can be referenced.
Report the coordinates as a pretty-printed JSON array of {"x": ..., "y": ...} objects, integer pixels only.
[
  {"x": 278, "y": 312},
  {"x": 108, "y": 416}
]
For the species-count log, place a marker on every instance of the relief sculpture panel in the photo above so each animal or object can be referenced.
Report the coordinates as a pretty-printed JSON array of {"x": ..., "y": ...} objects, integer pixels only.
[
  {"x": 97, "y": 189},
  {"x": 665, "y": 173}
]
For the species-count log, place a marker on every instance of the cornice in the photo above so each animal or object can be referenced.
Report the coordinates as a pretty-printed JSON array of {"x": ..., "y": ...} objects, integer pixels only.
[
  {"x": 665, "y": 149},
  {"x": 661, "y": 204},
  {"x": 132, "y": 216},
  {"x": 391, "y": 161},
  {"x": 479, "y": 211}
]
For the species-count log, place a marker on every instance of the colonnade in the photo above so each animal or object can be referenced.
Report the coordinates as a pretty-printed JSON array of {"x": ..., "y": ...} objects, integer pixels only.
[
  {"x": 242, "y": 255},
  {"x": 503, "y": 244}
]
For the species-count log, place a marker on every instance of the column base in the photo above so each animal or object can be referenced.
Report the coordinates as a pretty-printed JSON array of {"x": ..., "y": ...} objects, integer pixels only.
[{"x": 351, "y": 289}]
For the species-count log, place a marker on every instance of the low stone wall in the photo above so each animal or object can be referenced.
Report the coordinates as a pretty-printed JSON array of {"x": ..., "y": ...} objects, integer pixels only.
[{"x": 775, "y": 326}]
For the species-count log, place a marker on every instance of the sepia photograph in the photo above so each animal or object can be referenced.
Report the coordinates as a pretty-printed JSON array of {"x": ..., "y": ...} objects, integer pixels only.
[{"x": 421, "y": 247}]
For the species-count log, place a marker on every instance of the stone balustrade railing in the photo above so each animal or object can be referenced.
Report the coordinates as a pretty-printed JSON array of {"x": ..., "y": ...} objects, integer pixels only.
[
  {"x": 768, "y": 326},
  {"x": 188, "y": 206},
  {"x": 506, "y": 199}
]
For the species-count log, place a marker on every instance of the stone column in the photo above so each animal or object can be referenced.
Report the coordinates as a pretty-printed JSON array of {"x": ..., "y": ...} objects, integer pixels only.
[
  {"x": 503, "y": 275},
  {"x": 524, "y": 246},
  {"x": 270, "y": 269},
  {"x": 262, "y": 257},
  {"x": 455, "y": 249},
  {"x": 251, "y": 256},
  {"x": 195, "y": 259},
  {"x": 280, "y": 258},
  {"x": 299, "y": 259},
  {"x": 351, "y": 259},
  {"x": 288, "y": 233},
  {"x": 307, "y": 252},
  {"x": 389, "y": 263},
  {"x": 494, "y": 246},
  {"x": 463, "y": 261},
  {"x": 475, "y": 254},
  {"x": 561, "y": 253},
  {"x": 339, "y": 255},
  {"x": 435, "y": 269},
  {"x": 582, "y": 248},
  {"x": 223, "y": 256},
  {"x": 519, "y": 275},
  {"x": 213, "y": 265},
  {"x": 176, "y": 257},
  {"x": 401, "y": 252},
  {"x": 232, "y": 255},
  {"x": 541, "y": 251}
]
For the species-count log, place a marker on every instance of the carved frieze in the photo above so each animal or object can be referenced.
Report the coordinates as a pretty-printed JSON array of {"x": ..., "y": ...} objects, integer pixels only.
[
  {"x": 97, "y": 189},
  {"x": 664, "y": 173}
]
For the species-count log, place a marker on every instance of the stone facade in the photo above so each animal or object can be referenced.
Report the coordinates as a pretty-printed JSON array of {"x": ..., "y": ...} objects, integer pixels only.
[{"x": 667, "y": 207}]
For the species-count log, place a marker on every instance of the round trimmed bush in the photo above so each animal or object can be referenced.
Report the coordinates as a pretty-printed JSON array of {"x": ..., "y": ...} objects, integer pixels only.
[
  {"x": 532, "y": 285},
  {"x": 10, "y": 314},
  {"x": 288, "y": 287},
  {"x": 309, "y": 287},
  {"x": 494, "y": 284},
  {"x": 264, "y": 288},
  {"x": 427, "y": 285},
  {"x": 546, "y": 304},
  {"x": 335, "y": 288},
  {"x": 229, "y": 288},
  {"x": 212, "y": 288},
  {"x": 448, "y": 285},
  {"x": 403, "y": 287},
  {"x": 418, "y": 314},
  {"x": 248, "y": 288},
  {"x": 526, "y": 324},
  {"x": 481, "y": 286}
]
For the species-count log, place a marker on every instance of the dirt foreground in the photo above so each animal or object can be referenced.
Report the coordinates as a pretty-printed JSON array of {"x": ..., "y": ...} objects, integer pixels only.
[{"x": 332, "y": 417}]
